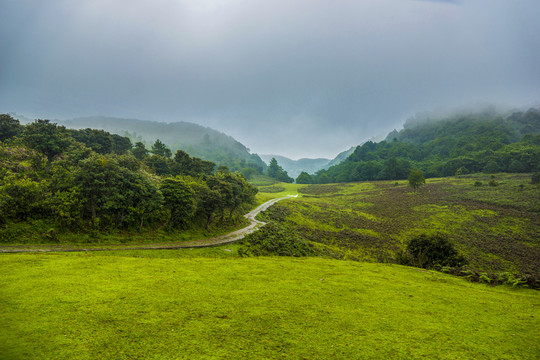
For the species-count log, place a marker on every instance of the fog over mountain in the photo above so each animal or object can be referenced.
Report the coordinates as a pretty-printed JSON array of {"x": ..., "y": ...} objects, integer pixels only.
[{"x": 300, "y": 78}]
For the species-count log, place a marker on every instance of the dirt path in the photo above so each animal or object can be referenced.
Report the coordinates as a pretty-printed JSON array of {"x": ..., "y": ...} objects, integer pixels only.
[{"x": 215, "y": 241}]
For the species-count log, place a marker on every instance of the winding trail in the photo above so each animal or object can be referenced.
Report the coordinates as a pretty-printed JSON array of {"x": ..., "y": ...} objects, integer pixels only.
[{"x": 215, "y": 241}]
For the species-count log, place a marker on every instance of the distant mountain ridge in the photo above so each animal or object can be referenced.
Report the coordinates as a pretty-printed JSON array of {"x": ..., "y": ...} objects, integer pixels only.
[
  {"x": 295, "y": 167},
  {"x": 197, "y": 140},
  {"x": 342, "y": 156}
]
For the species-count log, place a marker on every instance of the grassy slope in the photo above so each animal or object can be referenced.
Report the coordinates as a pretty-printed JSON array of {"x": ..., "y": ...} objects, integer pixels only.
[
  {"x": 208, "y": 303},
  {"x": 497, "y": 228}
]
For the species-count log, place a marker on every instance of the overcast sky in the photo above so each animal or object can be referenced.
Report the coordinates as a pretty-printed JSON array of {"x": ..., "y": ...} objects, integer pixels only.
[{"x": 300, "y": 78}]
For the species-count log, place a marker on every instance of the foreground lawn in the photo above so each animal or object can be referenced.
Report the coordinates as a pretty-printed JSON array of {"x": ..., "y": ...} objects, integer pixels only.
[{"x": 210, "y": 304}]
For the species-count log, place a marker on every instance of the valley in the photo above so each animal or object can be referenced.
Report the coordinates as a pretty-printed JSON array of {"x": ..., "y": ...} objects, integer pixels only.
[{"x": 127, "y": 252}]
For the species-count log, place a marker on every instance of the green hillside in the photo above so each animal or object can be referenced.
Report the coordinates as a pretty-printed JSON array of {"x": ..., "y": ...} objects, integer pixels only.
[
  {"x": 210, "y": 304},
  {"x": 461, "y": 144},
  {"x": 198, "y": 141}
]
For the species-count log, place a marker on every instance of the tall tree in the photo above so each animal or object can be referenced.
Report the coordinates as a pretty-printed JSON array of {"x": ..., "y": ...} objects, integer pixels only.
[
  {"x": 139, "y": 151},
  {"x": 161, "y": 149},
  {"x": 273, "y": 169},
  {"x": 9, "y": 127}
]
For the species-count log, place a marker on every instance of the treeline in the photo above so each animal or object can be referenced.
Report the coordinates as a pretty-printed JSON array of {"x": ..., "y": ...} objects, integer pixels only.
[
  {"x": 460, "y": 145},
  {"x": 54, "y": 179}
]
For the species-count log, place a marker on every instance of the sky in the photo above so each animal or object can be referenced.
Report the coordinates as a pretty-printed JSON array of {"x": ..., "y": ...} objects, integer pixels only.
[{"x": 299, "y": 78}]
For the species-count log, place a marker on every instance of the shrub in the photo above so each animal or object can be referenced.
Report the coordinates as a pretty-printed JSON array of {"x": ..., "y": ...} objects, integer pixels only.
[
  {"x": 416, "y": 178},
  {"x": 535, "y": 179},
  {"x": 478, "y": 183},
  {"x": 493, "y": 182},
  {"x": 431, "y": 251},
  {"x": 275, "y": 240}
]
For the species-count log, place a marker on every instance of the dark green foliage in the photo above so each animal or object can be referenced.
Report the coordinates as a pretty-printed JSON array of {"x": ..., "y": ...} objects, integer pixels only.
[
  {"x": 276, "y": 172},
  {"x": 535, "y": 178},
  {"x": 416, "y": 179},
  {"x": 223, "y": 169},
  {"x": 101, "y": 141},
  {"x": 139, "y": 151},
  {"x": 429, "y": 251},
  {"x": 273, "y": 239},
  {"x": 186, "y": 165},
  {"x": 493, "y": 183},
  {"x": 179, "y": 199},
  {"x": 159, "y": 165},
  {"x": 478, "y": 183},
  {"x": 304, "y": 178},
  {"x": 161, "y": 149},
  {"x": 491, "y": 167},
  {"x": 208, "y": 203},
  {"x": 9, "y": 127},
  {"x": 46, "y": 137},
  {"x": 118, "y": 196}
]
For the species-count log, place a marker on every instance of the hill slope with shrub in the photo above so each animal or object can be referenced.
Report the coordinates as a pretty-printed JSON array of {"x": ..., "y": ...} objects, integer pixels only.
[{"x": 495, "y": 228}]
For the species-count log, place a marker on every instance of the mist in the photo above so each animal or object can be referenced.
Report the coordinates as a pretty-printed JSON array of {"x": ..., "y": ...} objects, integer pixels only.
[{"x": 297, "y": 78}]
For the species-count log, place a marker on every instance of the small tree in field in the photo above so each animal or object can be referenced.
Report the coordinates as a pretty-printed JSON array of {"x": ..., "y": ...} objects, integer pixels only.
[{"x": 416, "y": 178}]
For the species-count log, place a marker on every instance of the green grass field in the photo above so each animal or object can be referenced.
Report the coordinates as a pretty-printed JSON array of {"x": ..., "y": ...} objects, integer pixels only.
[{"x": 211, "y": 304}]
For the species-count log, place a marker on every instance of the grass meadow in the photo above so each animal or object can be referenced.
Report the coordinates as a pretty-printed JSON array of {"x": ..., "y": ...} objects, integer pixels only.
[
  {"x": 212, "y": 304},
  {"x": 497, "y": 228}
]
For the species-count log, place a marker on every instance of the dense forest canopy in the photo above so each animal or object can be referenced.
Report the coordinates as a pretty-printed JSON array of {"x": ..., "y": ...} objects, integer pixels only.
[
  {"x": 56, "y": 179},
  {"x": 485, "y": 142}
]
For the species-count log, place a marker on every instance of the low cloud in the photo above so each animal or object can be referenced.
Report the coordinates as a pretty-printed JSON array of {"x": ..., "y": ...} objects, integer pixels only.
[{"x": 298, "y": 78}]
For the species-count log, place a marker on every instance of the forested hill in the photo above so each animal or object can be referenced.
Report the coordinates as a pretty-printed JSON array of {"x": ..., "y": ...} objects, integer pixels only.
[
  {"x": 56, "y": 181},
  {"x": 461, "y": 144},
  {"x": 199, "y": 141}
]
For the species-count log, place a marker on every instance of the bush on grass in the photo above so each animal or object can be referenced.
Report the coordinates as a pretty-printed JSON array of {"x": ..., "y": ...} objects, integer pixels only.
[
  {"x": 430, "y": 251},
  {"x": 273, "y": 239}
]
